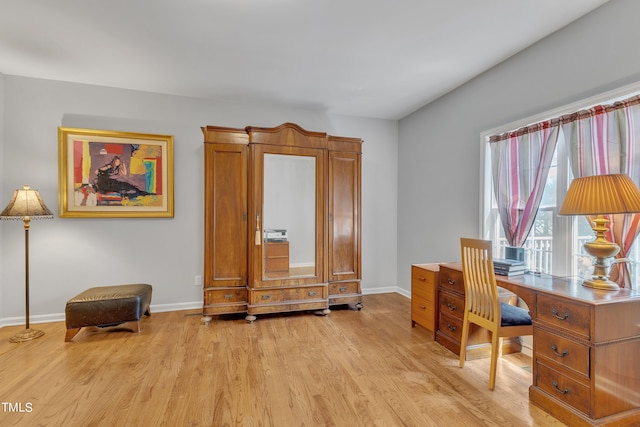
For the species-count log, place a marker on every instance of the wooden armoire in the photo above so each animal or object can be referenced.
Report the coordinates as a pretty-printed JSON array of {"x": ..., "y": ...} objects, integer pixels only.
[{"x": 282, "y": 220}]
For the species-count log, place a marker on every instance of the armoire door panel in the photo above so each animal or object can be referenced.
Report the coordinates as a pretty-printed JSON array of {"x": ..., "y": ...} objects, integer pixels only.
[
  {"x": 343, "y": 216},
  {"x": 226, "y": 213}
]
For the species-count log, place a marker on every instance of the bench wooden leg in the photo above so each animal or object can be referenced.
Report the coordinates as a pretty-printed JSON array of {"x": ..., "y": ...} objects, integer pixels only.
[
  {"x": 133, "y": 326},
  {"x": 71, "y": 333}
]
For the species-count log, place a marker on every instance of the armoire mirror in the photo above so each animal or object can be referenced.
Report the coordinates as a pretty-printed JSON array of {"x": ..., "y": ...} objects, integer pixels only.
[{"x": 289, "y": 216}]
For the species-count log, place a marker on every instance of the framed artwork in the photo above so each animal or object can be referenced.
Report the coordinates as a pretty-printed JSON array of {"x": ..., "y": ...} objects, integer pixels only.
[{"x": 108, "y": 174}]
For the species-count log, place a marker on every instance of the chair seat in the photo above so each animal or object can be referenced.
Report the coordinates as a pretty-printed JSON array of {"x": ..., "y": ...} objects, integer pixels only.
[{"x": 514, "y": 316}]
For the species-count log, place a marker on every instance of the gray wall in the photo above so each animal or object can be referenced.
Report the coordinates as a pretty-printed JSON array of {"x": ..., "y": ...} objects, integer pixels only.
[
  {"x": 440, "y": 149},
  {"x": 68, "y": 255}
]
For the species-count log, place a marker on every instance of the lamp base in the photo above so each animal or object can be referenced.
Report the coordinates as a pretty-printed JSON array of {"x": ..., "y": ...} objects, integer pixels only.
[
  {"x": 601, "y": 249},
  {"x": 26, "y": 335},
  {"x": 601, "y": 283}
]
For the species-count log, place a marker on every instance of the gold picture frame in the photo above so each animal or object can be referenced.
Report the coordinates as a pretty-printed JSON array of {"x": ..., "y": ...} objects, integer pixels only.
[{"x": 109, "y": 174}]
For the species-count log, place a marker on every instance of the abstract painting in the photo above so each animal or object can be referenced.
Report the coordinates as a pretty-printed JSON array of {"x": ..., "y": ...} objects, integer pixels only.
[{"x": 114, "y": 174}]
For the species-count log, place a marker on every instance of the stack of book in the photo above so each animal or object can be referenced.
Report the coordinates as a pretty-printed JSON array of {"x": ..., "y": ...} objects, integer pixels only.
[{"x": 508, "y": 267}]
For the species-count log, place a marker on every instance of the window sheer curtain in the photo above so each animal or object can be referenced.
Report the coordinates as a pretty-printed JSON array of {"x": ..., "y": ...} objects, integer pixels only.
[
  {"x": 520, "y": 166},
  {"x": 602, "y": 140}
]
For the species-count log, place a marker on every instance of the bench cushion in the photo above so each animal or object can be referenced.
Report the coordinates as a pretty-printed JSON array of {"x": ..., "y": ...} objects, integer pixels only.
[{"x": 108, "y": 305}]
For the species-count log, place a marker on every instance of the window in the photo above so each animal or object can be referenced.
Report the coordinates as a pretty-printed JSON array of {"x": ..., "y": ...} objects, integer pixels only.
[{"x": 555, "y": 243}]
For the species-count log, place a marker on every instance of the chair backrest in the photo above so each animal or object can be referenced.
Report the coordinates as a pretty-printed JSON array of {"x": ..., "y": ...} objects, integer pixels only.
[{"x": 481, "y": 290}]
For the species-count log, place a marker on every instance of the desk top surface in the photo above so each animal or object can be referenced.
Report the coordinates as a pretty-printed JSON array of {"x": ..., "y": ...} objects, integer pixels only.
[{"x": 569, "y": 287}]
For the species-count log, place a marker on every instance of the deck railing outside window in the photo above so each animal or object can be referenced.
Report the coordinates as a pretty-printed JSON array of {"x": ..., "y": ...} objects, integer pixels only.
[{"x": 538, "y": 256}]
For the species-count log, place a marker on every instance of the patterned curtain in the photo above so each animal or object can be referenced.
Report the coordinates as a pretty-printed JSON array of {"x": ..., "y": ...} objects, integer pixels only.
[
  {"x": 520, "y": 166},
  {"x": 602, "y": 140}
]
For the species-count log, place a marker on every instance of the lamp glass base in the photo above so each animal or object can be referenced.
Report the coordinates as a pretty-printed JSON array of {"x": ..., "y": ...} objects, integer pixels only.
[
  {"x": 601, "y": 283},
  {"x": 26, "y": 335}
]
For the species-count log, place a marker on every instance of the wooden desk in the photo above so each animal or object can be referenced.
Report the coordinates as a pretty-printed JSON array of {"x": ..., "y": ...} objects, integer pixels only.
[{"x": 586, "y": 349}]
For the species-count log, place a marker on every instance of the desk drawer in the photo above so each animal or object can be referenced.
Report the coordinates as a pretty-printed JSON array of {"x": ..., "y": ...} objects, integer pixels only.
[
  {"x": 562, "y": 351},
  {"x": 452, "y": 305},
  {"x": 564, "y": 314},
  {"x": 563, "y": 388},
  {"x": 424, "y": 282},
  {"x": 272, "y": 265},
  {"x": 422, "y": 312},
  {"x": 451, "y": 279},
  {"x": 451, "y": 326},
  {"x": 276, "y": 249}
]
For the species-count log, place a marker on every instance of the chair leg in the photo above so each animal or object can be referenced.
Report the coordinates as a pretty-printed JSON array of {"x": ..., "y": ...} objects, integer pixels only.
[
  {"x": 495, "y": 350},
  {"x": 464, "y": 338}
]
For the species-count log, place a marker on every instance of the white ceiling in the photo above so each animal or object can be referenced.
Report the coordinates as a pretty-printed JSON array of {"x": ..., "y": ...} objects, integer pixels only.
[{"x": 370, "y": 58}]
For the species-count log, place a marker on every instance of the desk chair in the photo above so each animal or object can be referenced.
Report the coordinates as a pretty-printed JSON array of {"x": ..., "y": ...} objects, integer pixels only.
[{"x": 482, "y": 305}]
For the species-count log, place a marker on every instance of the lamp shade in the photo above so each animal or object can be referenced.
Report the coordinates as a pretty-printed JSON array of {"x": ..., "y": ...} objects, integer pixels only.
[
  {"x": 26, "y": 202},
  {"x": 600, "y": 195}
]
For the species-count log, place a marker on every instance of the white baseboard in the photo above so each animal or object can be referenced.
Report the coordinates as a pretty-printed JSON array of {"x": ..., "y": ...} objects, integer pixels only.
[
  {"x": 159, "y": 308},
  {"x": 59, "y": 317}
]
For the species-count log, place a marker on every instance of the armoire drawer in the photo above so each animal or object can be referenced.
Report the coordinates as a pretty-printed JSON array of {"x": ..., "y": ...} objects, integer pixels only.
[
  {"x": 564, "y": 352},
  {"x": 424, "y": 281},
  {"x": 422, "y": 312},
  {"x": 565, "y": 314},
  {"x": 225, "y": 295},
  {"x": 268, "y": 296},
  {"x": 344, "y": 288},
  {"x": 224, "y": 300}
]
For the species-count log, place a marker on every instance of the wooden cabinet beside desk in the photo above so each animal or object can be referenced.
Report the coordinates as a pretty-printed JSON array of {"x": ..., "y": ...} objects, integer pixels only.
[{"x": 424, "y": 296}]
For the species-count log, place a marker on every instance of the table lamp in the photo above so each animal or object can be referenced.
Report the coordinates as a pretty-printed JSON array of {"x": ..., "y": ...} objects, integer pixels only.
[
  {"x": 600, "y": 195},
  {"x": 26, "y": 205}
]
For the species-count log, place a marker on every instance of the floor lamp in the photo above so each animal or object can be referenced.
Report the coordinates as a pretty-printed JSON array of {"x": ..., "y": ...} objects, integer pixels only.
[{"x": 26, "y": 205}]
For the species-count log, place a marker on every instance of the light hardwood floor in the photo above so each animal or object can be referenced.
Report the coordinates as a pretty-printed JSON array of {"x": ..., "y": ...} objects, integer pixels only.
[{"x": 351, "y": 368}]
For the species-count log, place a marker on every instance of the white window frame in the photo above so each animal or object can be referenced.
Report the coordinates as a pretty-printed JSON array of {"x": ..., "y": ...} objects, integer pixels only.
[{"x": 563, "y": 225}]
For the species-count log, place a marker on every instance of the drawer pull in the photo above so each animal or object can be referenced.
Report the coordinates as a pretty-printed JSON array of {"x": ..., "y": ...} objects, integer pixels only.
[
  {"x": 451, "y": 327},
  {"x": 423, "y": 307},
  {"x": 423, "y": 279},
  {"x": 312, "y": 293},
  {"x": 452, "y": 307},
  {"x": 451, "y": 281},
  {"x": 555, "y": 313},
  {"x": 565, "y": 391},
  {"x": 555, "y": 351},
  {"x": 228, "y": 296},
  {"x": 343, "y": 289},
  {"x": 266, "y": 296}
]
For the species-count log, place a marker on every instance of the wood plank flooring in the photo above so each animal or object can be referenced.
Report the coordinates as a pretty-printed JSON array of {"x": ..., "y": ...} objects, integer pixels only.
[{"x": 351, "y": 368}]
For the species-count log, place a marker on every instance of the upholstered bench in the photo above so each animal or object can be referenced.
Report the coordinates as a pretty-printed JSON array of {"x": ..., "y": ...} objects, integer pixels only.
[{"x": 107, "y": 306}]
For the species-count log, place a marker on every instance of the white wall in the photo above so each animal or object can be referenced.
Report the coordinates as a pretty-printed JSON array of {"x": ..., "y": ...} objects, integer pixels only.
[
  {"x": 3, "y": 198},
  {"x": 439, "y": 151},
  {"x": 69, "y": 255}
]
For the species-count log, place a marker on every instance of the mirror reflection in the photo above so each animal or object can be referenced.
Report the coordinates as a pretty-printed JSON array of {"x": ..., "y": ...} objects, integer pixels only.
[{"x": 289, "y": 216}]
